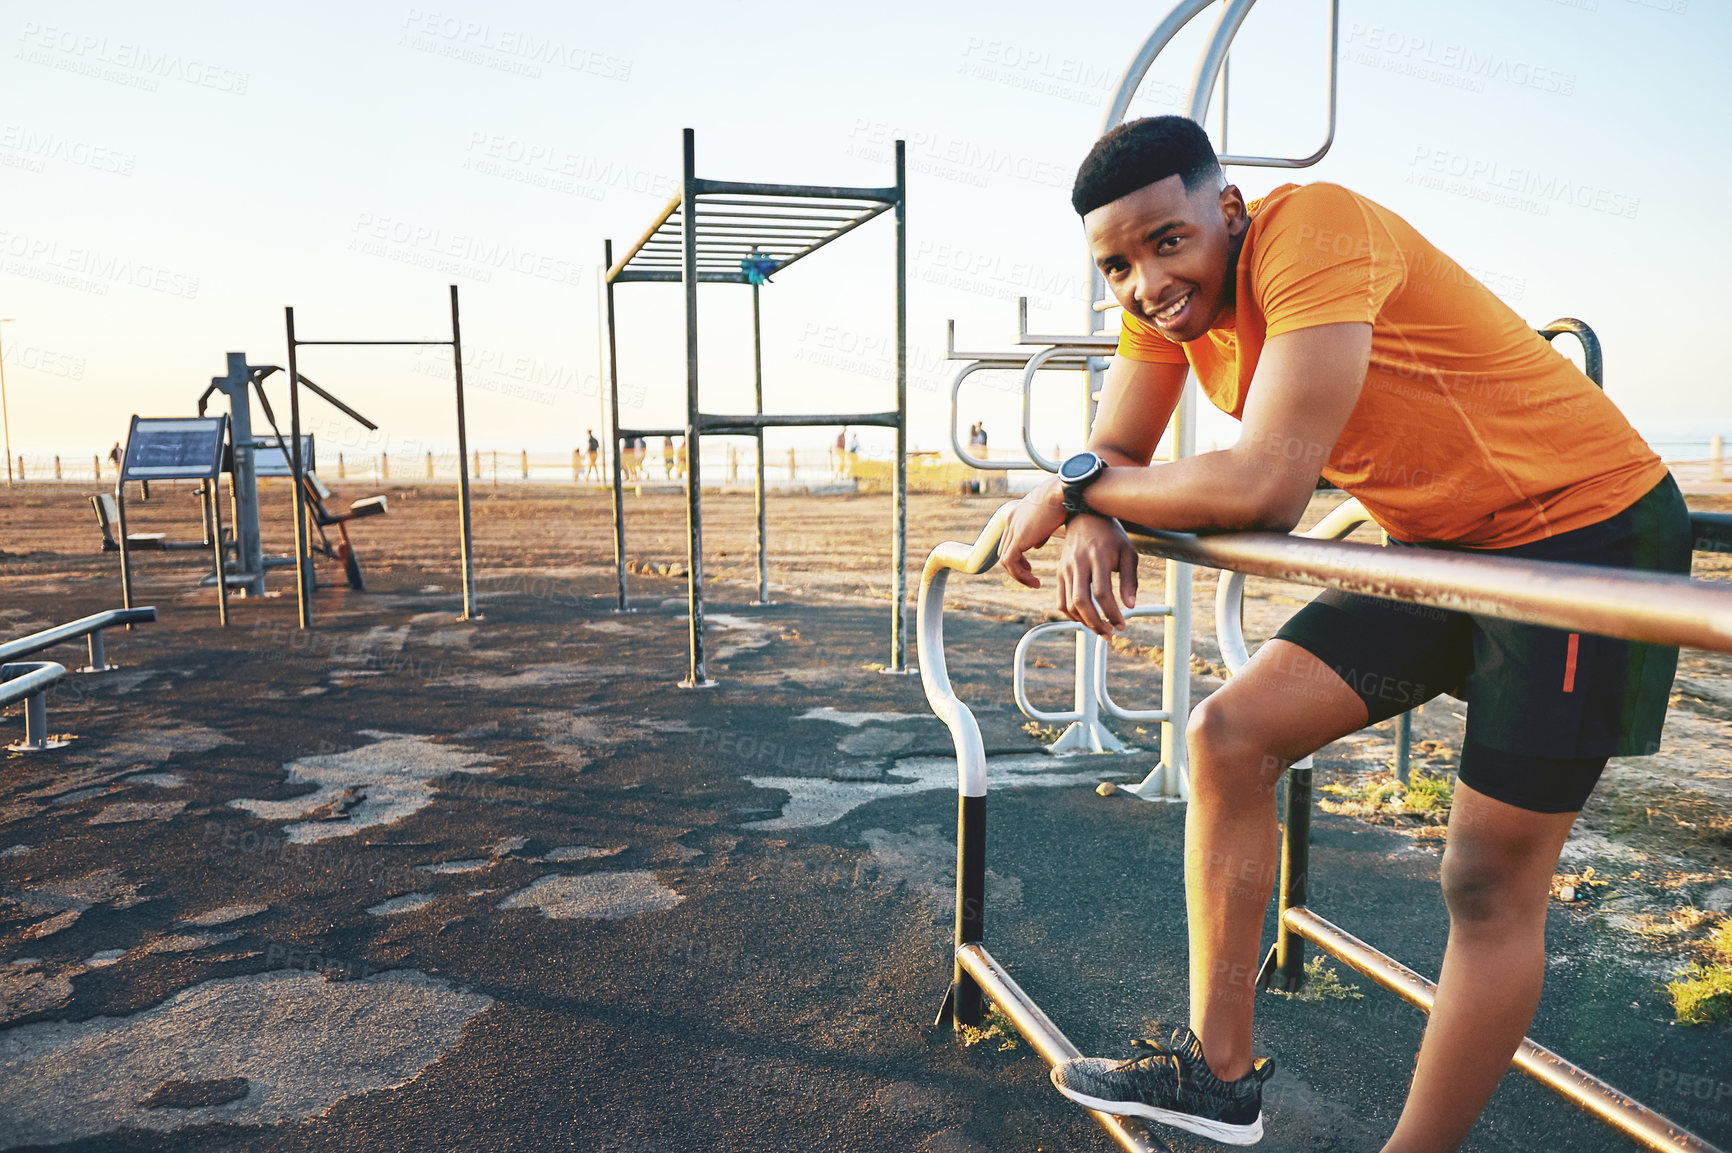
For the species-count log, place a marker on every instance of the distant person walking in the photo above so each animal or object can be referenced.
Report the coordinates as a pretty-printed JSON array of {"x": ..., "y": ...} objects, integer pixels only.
[
  {"x": 680, "y": 458},
  {"x": 668, "y": 457},
  {"x": 839, "y": 456},
  {"x": 114, "y": 456},
  {"x": 594, "y": 466}
]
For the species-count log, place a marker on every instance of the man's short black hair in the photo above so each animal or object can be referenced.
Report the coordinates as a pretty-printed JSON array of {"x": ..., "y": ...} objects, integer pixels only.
[{"x": 1142, "y": 152}]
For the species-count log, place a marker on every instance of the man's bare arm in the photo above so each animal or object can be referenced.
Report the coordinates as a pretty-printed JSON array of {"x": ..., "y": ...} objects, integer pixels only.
[{"x": 1306, "y": 385}]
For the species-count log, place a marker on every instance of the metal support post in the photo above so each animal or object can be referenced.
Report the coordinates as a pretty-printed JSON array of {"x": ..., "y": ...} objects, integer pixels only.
[
  {"x": 696, "y": 675},
  {"x": 470, "y": 610},
  {"x": 303, "y": 559},
  {"x": 214, "y": 503},
  {"x": 1284, "y": 967},
  {"x": 98, "y": 654},
  {"x": 899, "y": 497},
  {"x": 758, "y": 483},
  {"x": 1403, "y": 745},
  {"x": 965, "y": 1003},
  {"x": 611, "y": 351}
]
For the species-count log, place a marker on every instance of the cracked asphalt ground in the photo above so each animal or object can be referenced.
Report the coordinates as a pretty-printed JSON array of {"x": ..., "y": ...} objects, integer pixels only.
[{"x": 406, "y": 882}]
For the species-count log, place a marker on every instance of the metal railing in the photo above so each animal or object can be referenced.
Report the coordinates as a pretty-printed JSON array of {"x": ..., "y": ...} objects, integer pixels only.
[
  {"x": 90, "y": 628},
  {"x": 1640, "y": 606},
  {"x": 27, "y": 681}
]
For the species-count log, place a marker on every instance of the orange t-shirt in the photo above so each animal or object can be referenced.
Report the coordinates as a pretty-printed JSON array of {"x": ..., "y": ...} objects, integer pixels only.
[{"x": 1470, "y": 429}]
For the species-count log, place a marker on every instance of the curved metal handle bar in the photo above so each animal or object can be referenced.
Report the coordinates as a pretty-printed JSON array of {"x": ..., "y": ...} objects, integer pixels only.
[
  {"x": 1035, "y": 364},
  {"x": 1230, "y": 591},
  {"x": 1105, "y": 698},
  {"x": 1019, "y": 673},
  {"x": 73, "y": 630},
  {"x": 26, "y": 679},
  {"x": 1593, "y": 360},
  {"x": 955, "y": 418},
  {"x": 1329, "y": 136},
  {"x": 929, "y": 631},
  {"x": 1140, "y": 64}
]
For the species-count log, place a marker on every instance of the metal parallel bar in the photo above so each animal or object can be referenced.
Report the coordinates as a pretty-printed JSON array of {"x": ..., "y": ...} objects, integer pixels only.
[
  {"x": 778, "y": 203},
  {"x": 89, "y": 626},
  {"x": 1712, "y": 530},
  {"x": 697, "y": 676},
  {"x": 660, "y": 277},
  {"x": 29, "y": 681},
  {"x": 649, "y": 432},
  {"x": 23, "y": 679},
  {"x": 297, "y": 466},
  {"x": 831, "y": 220},
  {"x": 1046, "y": 1039},
  {"x": 1658, "y": 608},
  {"x": 758, "y": 467},
  {"x": 672, "y": 206},
  {"x": 611, "y": 348},
  {"x": 840, "y": 232},
  {"x": 1034, "y": 365},
  {"x": 713, "y": 422},
  {"x": 887, "y": 196},
  {"x": 361, "y": 342},
  {"x": 1003, "y": 358},
  {"x": 1571, "y": 1082},
  {"x": 471, "y": 610},
  {"x": 899, "y": 494}
]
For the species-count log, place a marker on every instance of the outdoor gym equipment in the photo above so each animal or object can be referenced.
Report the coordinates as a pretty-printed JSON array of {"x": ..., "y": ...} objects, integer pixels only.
[
  {"x": 28, "y": 681},
  {"x": 304, "y": 579},
  {"x": 732, "y": 232},
  {"x": 250, "y": 458},
  {"x": 1653, "y": 607}
]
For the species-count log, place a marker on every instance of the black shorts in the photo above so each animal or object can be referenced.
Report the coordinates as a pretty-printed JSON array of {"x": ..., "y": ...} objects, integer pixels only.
[{"x": 1545, "y": 708}]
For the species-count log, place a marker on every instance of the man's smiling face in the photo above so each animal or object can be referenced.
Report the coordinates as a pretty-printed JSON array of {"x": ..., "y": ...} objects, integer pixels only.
[{"x": 1169, "y": 255}]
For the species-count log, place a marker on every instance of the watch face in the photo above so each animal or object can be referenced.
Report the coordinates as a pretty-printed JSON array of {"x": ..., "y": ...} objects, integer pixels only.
[{"x": 1077, "y": 467}]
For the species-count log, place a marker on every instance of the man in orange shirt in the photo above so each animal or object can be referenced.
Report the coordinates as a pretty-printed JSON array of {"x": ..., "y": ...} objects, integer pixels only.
[{"x": 1351, "y": 348}]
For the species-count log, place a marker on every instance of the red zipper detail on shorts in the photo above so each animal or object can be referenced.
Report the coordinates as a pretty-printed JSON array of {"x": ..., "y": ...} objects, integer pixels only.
[{"x": 1570, "y": 663}]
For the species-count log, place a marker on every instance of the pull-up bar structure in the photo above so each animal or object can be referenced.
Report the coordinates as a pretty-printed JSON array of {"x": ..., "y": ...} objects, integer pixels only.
[
  {"x": 734, "y": 232},
  {"x": 303, "y": 540}
]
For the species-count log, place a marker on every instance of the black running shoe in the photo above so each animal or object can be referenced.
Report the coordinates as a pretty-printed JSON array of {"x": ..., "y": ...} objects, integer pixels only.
[{"x": 1173, "y": 1085}]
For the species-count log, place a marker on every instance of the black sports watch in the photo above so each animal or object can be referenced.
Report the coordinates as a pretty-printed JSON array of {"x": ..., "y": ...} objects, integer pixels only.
[{"x": 1076, "y": 474}]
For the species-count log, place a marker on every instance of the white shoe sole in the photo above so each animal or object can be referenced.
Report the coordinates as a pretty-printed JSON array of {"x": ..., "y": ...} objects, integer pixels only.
[{"x": 1222, "y": 1131}]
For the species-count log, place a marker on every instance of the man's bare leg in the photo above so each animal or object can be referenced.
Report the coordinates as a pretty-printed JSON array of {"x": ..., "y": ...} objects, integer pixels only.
[
  {"x": 1497, "y": 874},
  {"x": 1282, "y": 706}
]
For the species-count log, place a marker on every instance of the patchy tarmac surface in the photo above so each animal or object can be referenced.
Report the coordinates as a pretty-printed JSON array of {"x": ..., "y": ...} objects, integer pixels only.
[{"x": 407, "y": 882}]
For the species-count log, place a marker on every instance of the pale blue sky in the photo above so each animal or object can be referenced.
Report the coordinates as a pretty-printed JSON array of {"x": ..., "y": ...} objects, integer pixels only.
[{"x": 172, "y": 175}]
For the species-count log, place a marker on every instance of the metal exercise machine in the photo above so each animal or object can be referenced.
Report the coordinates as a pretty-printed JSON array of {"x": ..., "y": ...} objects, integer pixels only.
[
  {"x": 1653, "y": 607},
  {"x": 735, "y": 232},
  {"x": 250, "y": 458},
  {"x": 304, "y": 578}
]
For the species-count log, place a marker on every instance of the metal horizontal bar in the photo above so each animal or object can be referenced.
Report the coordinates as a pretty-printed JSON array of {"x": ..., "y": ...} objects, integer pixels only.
[
  {"x": 657, "y": 277},
  {"x": 1713, "y": 531},
  {"x": 711, "y": 422},
  {"x": 830, "y": 219},
  {"x": 26, "y": 679},
  {"x": 301, "y": 343},
  {"x": 649, "y": 432},
  {"x": 838, "y": 233},
  {"x": 1039, "y": 1031},
  {"x": 889, "y": 195},
  {"x": 1640, "y": 606},
  {"x": 667, "y": 210},
  {"x": 74, "y": 630},
  {"x": 1571, "y": 1082},
  {"x": 1093, "y": 340}
]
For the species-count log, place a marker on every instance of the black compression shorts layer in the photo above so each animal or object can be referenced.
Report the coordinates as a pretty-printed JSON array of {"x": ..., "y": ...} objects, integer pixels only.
[{"x": 1545, "y": 707}]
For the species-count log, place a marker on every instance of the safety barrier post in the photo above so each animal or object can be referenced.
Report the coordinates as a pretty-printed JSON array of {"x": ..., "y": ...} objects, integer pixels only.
[{"x": 1717, "y": 459}]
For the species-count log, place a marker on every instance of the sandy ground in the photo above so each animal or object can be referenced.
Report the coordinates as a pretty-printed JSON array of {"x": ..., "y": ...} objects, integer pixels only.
[{"x": 411, "y": 882}]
